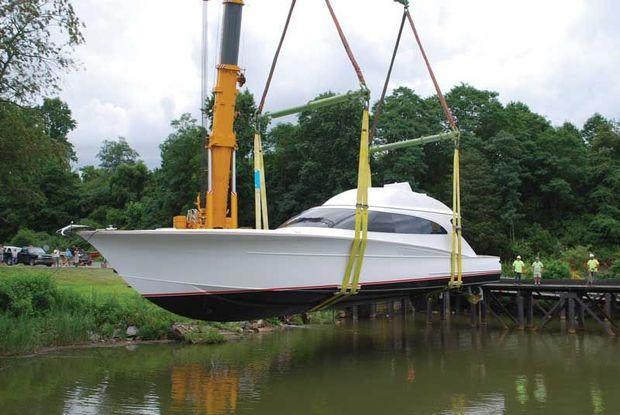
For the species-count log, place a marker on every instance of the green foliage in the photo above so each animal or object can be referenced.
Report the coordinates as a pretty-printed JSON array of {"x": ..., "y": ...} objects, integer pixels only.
[
  {"x": 36, "y": 43},
  {"x": 26, "y": 237},
  {"x": 39, "y": 190},
  {"x": 27, "y": 294},
  {"x": 114, "y": 154},
  {"x": 321, "y": 317},
  {"x": 19, "y": 335},
  {"x": 527, "y": 187},
  {"x": 614, "y": 269},
  {"x": 307, "y": 163},
  {"x": 176, "y": 183},
  {"x": 204, "y": 334},
  {"x": 576, "y": 258},
  {"x": 43, "y": 308},
  {"x": 556, "y": 269},
  {"x": 59, "y": 123}
]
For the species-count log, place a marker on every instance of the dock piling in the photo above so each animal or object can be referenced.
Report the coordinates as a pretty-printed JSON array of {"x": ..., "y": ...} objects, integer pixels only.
[
  {"x": 520, "y": 310},
  {"x": 571, "y": 313}
]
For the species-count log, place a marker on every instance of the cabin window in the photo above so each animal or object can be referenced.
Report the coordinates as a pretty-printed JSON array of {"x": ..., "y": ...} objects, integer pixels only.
[
  {"x": 323, "y": 218},
  {"x": 377, "y": 221}
]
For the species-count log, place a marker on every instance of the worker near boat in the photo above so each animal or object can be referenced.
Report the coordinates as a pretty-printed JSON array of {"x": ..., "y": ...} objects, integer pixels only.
[
  {"x": 518, "y": 265},
  {"x": 592, "y": 269},
  {"x": 537, "y": 268}
]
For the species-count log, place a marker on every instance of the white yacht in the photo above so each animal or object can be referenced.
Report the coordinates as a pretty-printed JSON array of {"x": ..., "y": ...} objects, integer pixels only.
[{"x": 240, "y": 274}]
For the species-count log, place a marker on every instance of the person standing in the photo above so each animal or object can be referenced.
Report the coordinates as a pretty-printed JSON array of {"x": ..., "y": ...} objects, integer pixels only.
[
  {"x": 517, "y": 266},
  {"x": 56, "y": 257},
  {"x": 537, "y": 268},
  {"x": 68, "y": 256},
  {"x": 592, "y": 269},
  {"x": 76, "y": 257}
]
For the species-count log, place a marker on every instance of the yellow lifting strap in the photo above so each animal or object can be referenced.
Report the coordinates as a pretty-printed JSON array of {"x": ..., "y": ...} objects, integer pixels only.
[
  {"x": 350, "y": 281},
  {"x": 456, "y": 258},
  {"x": 260, "y": 190}
]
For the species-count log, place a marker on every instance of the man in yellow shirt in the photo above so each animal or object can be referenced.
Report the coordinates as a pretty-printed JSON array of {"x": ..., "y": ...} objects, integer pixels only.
[
  {"x": 592, "y": 269},
  {"x": 517, "y": 266}
]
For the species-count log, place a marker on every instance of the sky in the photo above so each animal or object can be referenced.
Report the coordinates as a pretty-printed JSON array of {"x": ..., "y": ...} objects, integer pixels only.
[{"x": 140, "y": 65}]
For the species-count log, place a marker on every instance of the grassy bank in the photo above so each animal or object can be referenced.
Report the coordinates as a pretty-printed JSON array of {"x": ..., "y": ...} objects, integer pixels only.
[{"x": 42, "y": 308}]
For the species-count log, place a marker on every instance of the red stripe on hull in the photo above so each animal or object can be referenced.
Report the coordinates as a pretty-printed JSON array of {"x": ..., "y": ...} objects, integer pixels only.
[{"x": 420, "y": 279}]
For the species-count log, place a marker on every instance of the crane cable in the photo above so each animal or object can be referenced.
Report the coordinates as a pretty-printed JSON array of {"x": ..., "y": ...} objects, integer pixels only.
[
  {"x": 387, "y": 78},
  {"x": 260, "y": 189},
  {"x": 350, "y": 284},
  {"x": 456, "y": 257},
  {"x": 347, "y": 47}
]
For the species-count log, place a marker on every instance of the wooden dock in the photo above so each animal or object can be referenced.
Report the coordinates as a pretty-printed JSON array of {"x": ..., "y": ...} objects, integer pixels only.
[
  {"x": 520, "y": 306},
  {"x": 570, "y": 300}
]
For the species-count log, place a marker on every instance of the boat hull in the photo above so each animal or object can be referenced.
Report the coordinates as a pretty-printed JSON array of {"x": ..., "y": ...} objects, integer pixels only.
[
  {"x": 252, "y": 305},
  {"x": 231, "y": 275}
]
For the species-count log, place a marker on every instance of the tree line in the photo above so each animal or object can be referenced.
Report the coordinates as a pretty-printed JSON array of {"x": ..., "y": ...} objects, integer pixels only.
[{"x": 527, "y": 186}]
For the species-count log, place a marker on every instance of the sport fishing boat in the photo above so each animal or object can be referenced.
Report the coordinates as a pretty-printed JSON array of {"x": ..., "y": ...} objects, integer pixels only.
[{"x": 240, "y": 274}]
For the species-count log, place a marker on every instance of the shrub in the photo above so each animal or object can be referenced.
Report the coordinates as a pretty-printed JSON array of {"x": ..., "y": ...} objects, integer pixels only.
[
  {"x": 18, "y": 335},
  {"x": 25, "y": 237},
  {"x": 556, "y": 269},
  {"x": 541, "y": 241},
  {"x": 27, "y": 294},
  {"x": 523, "y": 248},
  {"x": 576, "y": 257},
  {"x": 204, "y": 334},
  {"x": 614, "y": 270},
  {"x": 321, "y": 317}
]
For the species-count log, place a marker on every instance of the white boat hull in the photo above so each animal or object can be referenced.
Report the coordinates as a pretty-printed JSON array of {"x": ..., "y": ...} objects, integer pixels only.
[{"x": 244, "y": 274}]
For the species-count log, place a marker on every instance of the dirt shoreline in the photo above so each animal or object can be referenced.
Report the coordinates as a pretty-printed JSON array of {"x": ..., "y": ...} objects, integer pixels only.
[{"x": 228, "y": 337}]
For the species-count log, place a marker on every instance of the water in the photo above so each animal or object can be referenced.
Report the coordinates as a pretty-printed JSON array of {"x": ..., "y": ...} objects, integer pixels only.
[{"x": 377, "y": 367}]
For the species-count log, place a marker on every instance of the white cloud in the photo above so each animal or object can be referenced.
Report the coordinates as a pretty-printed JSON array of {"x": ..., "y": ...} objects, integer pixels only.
[{"x": 142, "y": 57}]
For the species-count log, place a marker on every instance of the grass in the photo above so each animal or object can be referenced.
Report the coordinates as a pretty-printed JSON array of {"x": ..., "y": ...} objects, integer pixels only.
[
  {"x": 43, "y": 307},
  {"x": 205, "y": 334},
  {"x": 49, "y": 307},
  {"x": 87, "y": 281}
]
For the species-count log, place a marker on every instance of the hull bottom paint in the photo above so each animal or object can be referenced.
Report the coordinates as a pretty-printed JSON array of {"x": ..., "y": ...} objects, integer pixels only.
[{"x": 251, "y": 305}]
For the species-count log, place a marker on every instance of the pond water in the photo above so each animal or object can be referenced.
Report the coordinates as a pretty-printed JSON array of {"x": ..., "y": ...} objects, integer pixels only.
[{"x": 371, "y": 367}]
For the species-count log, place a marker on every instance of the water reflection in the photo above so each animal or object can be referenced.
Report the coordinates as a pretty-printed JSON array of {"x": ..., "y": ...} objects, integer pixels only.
[
  {"x": 370, "y": 368},
  {"x": 211, "y": 393}
]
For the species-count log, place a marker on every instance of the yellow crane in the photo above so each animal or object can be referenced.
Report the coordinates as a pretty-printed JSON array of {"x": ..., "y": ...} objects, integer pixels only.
[{"x": 218, "y": 210}]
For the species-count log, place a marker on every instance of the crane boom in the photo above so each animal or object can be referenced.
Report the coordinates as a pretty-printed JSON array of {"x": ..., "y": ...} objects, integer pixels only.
[{"x": 221, "y": 201}]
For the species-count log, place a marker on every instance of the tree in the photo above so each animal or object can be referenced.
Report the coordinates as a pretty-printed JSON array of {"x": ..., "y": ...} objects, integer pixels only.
[
  {"x": 405, "y": 116},
  {"x": 116, "y": 153},
  {"x": 59, "y": 123},
  {"x": 24, "y": 150},
  {"x": 310, "y": 162},
  {"x": 603, "y": 198},
  {"x": 37, "y": 38},
  {"x": 178, "y": 179}
]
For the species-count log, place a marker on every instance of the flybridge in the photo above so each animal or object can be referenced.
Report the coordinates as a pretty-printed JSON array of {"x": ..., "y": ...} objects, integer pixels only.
[{"x": 393, "y": 196}]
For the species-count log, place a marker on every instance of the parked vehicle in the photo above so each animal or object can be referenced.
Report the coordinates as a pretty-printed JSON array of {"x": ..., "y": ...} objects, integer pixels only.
[
  {"x": 31, "y": 255},
  {"x": 9, "y": 254}
]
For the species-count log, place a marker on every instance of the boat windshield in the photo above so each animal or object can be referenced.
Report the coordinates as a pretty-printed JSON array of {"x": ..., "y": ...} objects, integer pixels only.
[{"x": 339, "y": 218}]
